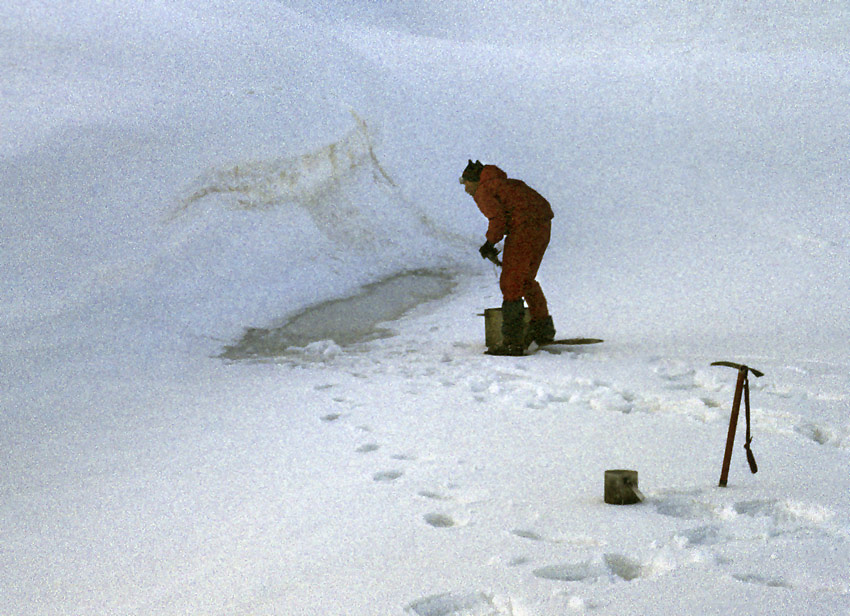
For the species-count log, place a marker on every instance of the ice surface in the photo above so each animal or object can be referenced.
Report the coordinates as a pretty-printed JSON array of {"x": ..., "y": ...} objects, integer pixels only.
[{"x": 346, "y": 320}]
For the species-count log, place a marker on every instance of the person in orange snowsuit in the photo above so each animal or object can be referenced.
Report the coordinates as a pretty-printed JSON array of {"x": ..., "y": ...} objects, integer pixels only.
[{"x": 521, "y": 215}]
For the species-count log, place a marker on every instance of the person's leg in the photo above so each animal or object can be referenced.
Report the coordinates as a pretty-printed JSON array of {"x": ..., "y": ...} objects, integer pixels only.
[
  {"x": 516, "y": 263},
  {"x": 534, "y": 243},
  {"x": 513, "y": 324}
]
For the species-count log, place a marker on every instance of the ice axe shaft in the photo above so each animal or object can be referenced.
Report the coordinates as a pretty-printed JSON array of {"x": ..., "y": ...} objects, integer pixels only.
[{"x": 742, "y": 390}]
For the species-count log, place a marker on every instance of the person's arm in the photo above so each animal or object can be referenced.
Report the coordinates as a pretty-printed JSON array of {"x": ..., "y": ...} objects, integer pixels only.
[{"x": 488, "y": 201}]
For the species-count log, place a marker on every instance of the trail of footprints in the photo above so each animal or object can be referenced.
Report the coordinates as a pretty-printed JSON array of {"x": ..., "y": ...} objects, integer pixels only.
[
  {"x": 710, "y": 529},
  {"x": 443, "y": 498},
  {"x": 679, "y": 376},
  {"x": 701, "y": 394}
]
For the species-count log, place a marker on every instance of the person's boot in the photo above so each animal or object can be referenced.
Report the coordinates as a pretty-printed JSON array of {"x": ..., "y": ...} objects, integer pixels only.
[
  {"x": 541, "y": 331},
  {"x": 513, "y": 321}
]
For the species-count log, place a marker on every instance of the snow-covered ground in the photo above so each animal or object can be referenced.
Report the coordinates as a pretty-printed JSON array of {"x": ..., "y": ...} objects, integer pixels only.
[{"x": 187, "y": 189}]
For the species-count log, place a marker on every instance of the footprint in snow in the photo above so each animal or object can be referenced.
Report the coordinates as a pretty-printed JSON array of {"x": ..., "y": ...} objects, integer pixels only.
[
  {"x": 785, "y": 512},
  {"x": 821, "y": 434},
  {"x": 439, "y": 520},
  {"x": 526, "y": 534},
  {"x": 678, "y": 375},
  {"x": 434, "y": 495},
  {"x": 403, "y": 457},
  {"x": 686, "y": 506},
  {"x": 616, "y": 565},
  {"x": 569, "y": 572},
  {"x": 455, "y": 604},
  {"x": 387, "y": 476},
  {"x": 711, "y": 403},
  {"x": 760, "y": 580}
]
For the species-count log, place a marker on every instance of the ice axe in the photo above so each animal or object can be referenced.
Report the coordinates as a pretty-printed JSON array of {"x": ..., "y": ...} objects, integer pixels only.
[{"x": 741, "y": 388}]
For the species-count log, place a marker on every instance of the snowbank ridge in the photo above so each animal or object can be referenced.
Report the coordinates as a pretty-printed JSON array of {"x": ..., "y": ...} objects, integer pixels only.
[
  {"x": 271, "y": 237},
  {"x": 305, "y": 179}
]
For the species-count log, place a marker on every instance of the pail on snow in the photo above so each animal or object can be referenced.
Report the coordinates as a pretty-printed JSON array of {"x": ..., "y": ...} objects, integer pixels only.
[
  {"x": 493, "y": 326},
  {"x": 621, "y": 487}
]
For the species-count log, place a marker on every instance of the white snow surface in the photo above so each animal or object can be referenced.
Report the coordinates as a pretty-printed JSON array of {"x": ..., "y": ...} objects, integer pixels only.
[{"x": 177, "y": 176}]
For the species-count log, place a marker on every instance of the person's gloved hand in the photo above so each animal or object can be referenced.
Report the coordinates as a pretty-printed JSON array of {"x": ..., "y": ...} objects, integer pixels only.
[{"x": 488, "y": 251}]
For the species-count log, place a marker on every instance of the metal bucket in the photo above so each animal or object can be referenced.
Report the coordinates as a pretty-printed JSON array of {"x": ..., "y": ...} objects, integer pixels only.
[
  {"x": 621, "y": 487},
  {"x": 493, "y": 326}
]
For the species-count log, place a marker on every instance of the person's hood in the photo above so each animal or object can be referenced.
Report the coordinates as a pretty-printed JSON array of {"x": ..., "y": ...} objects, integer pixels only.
[{"x": 492, "y": 172}]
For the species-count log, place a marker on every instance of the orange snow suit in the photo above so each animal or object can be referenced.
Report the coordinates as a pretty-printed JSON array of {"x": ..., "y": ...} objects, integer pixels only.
[{"x": 519, "y": 212}]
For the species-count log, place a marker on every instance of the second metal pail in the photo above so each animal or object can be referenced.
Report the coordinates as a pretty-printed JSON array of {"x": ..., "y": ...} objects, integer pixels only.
[{"x": 493, "y": 326}]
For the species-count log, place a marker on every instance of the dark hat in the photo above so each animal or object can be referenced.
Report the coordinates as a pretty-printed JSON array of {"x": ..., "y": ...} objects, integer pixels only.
[{"x": 472, "y": 173}]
